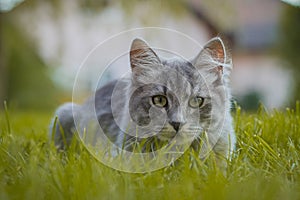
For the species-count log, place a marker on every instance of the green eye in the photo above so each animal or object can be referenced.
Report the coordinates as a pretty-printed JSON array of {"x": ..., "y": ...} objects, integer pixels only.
[
  {"x": 196, "y": 102},
  {"x": 159, "y": 101}
]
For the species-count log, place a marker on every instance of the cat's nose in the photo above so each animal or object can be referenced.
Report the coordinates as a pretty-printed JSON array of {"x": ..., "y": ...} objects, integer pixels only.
[{"x": 176, "y": 125}]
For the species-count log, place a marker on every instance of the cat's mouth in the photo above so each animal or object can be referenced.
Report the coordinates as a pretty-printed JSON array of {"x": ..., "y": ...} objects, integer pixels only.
[
  {"x": 169, "y": 135},
  {"x": 186, "y": 133},
  {"x": 166, "y": 135}
]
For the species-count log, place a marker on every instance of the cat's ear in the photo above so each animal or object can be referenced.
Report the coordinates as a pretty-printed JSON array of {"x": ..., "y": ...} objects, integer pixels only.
[
  {"x": 142, "y": 56},
  {"x": 214, "y": 58}
]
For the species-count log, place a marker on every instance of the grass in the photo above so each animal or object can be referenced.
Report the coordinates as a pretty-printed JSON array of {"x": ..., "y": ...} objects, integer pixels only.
[{"x": 264, "y": 166}]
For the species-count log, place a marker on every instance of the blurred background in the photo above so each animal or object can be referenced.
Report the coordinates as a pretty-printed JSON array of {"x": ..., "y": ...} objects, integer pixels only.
[{"x": 43, "y": 43}]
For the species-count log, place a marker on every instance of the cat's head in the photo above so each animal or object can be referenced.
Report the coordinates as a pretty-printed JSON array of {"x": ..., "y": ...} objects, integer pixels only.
[{"x": 178, "y": 96}]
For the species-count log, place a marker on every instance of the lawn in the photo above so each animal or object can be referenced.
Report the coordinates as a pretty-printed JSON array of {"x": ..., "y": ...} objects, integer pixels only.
[{"x": 264, "y": 166}]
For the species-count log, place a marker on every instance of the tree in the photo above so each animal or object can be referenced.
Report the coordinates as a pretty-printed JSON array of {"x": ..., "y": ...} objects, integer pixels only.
[
  {"x": 3, "y": 69},
  {"x": 289, "y": 43},
  {"x": 23, "y": 75}
]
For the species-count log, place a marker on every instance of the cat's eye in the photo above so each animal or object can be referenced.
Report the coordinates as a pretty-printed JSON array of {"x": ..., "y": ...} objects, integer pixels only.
[
  {"x": 196, "y": 102},
  {"x": 160, "y": 101}
]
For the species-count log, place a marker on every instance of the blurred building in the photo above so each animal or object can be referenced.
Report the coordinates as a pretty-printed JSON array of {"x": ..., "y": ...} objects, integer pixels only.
[{"x": 252, "y": 28}]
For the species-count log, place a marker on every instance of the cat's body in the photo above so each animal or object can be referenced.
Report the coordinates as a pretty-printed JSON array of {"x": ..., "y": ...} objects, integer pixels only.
[{"x": 166, "y": 98}]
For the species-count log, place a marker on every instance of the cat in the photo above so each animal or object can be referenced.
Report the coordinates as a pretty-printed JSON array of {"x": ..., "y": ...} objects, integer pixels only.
[{"x": 163, "y": 99}]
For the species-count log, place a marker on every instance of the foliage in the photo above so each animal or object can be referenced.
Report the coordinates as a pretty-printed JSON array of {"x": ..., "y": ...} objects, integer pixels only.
[
  {"x": 264, "y": 166},
  {"x": 28, "y": 82},
  {"x": 250, "y": 101},
  {"x": 289, "y": 40}
]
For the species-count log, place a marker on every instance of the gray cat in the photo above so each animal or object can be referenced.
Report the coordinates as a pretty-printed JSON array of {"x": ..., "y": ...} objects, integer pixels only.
[{"x": 161, "y": 100}]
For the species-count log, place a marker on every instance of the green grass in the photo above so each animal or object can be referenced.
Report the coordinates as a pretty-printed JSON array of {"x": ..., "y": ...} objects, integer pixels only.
[{"x": 264, "y": 166}]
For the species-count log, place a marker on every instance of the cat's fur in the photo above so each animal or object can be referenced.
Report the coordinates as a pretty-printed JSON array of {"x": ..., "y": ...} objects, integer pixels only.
[{"x": 125, "y": 101}]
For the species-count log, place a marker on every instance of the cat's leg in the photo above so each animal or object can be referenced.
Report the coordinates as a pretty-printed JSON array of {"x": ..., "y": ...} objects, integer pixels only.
[
  {"x": 223, "y": 149},
  {"x": 62, "y": 127}
]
